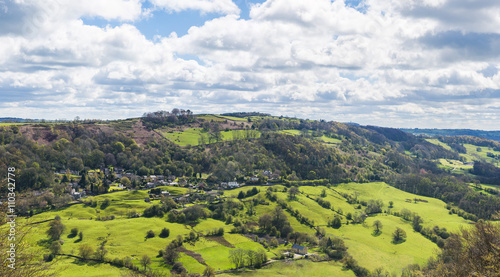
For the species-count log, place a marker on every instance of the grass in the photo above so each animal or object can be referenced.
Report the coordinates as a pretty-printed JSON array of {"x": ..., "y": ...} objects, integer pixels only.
[
  {"x": 187, "y": 137},
  {"x": 437, "y": 142},
  {"x": 233, "y": 118},
  {"x": 209, "y": 117},
  {"x": 474, "y": 155},
  {"x": 291, "y": 132},
  {"x": 375, "y": 252},
  {"x": 126, "y": 236},
  {"x": 12, "y": 124},
  {"x": 191, "y": 136},
  {"x": 69, "y": 267},
  {"x": 433, "y": 212},
  {"x": 301, "y": 268},
  {"x": 454, "y": 166},
  {"x": 329, "y": 140}
]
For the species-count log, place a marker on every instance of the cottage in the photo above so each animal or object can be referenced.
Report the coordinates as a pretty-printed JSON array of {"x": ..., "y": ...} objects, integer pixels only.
[
  {"x": 299, "y": 249},
  {"x": 233, "y": 185}
]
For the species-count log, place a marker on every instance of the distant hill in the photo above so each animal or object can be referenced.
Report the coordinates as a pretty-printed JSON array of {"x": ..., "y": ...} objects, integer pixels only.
[
  {"x": 492, "y": 135},
  {"x": 12, "y": 120}
]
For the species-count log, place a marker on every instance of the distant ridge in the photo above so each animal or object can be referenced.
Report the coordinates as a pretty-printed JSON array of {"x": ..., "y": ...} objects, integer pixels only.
[
  {"x": 492, "y": 135},
  {"x": 13, "y": 120}
]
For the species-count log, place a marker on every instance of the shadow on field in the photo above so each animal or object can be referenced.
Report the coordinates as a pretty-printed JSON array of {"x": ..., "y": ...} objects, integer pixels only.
[
  {"x": 44, "y": 243},
  {"x": 376, "y": 233},
  {"x": 398, "y": 241}
]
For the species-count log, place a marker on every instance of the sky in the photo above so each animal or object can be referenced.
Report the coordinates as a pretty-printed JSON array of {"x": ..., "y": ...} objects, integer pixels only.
[{"x": 393, "y": 63}]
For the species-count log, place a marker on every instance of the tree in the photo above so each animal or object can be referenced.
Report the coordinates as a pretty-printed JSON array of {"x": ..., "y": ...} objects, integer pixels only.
[
  {"x": 391, "y": 204},
  {"x": 266, "y": 222},
  {"x": 145, "y": 261},
  {"x": 74, "y": 232},
  {"x": 118, "y": 147},
  {"x": 399, "y": 235},
  {"x": 292, "y": 193},
  {"x": 125, "y": 181},
  {"x": 100, "y": 253},
  {"x": 56, "y": 228},
  {"x": 86, "y": 251},
  {"x": 377, "y": 225},
  {"x": 80, "y": 235},
  {"x": 237, "y": 257},
  {"x": 209, "y": 272},
  {"x": 416, "y": 223},
  {"x": 27, "y": 259},
  {"x": 323, "y": 193},
  {"x": 171, "y": 255},
  {"x": 75, "y": 164},
  {"x": 55, "y": 247},
  {"x": 473, "y": 252},
  {"x": 336, "y": 222},
  {"x": 165, "y": 233},
  {"x": 150, "y": 234}
]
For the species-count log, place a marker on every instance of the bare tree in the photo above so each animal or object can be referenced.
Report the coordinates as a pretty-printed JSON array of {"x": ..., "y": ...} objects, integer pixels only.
[{"x": 145, "y": 261}]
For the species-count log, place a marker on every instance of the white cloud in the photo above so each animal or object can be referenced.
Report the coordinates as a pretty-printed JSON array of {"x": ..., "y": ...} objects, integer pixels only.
[
  {"x": 385, "y": 65},
  {"x": 204, "y": 6}
]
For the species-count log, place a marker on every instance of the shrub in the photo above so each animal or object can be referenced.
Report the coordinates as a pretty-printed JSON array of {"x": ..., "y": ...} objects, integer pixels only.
[
  {"x": 150, "y": 234},
  {"x": 165, "y": 233}
]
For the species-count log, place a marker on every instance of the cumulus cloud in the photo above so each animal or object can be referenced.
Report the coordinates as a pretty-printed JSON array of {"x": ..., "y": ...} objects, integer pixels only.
[
  {"x": 381, "y": 63},
  {"x": 204, "y": 6}
]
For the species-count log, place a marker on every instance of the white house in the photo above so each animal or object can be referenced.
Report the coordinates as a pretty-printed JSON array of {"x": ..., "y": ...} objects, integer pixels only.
[{"x": 233, "y": 185}]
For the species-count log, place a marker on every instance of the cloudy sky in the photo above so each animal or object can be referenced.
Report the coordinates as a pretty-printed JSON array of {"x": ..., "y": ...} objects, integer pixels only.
[{"x": 396, "y": 63}]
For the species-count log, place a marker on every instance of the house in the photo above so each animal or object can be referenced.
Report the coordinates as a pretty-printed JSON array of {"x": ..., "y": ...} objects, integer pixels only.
[
  {"x": 299, "y": 249},
  {"x": 165, "y": 193},
  {"x": 232, "y": 185}
]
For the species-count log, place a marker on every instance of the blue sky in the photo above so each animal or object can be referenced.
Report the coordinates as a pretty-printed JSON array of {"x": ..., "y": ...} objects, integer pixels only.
[{"x": 410, "y": 63}]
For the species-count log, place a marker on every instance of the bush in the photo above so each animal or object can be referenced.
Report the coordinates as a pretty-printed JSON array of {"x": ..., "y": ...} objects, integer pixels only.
[
  {"x": 150, "y": 234},
  {"x": 165, "y": 233},
  {"x": 74, "y": 232},
  {"x": 118, "y": 262}
]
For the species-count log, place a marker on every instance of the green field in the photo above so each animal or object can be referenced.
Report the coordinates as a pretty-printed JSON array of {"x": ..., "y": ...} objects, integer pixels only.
[
  {"x": 233, "y": 118},
  {"x": 437, "y": 142},
  {"x": 191, "y": 136},
  {"x": 291, "y": 132},
  {"x": 300, "y": 268},
  {"x": 474, "y": 155},
  {"x": 187, "y": 137},
  {"x": 125, "y": 236},
  {"x": 454, "y": 166},
  {"x": 330, "y": 140}
]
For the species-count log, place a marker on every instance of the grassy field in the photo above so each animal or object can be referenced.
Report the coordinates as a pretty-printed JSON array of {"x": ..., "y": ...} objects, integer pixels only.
[
  {"x": 191, "y": 136},
  {"x": 209, "y": 117},
  {"x": 301, "y": 268},
  {"x": 233, "y": 118},
  {"x": 433, "y": 212},
  {"x": 437, "y": 142},
  {"x": 2, "y": 124},
  {"x": 454, "y": 166},
  {"x": 125, "y": 236},
  {"x": 291, "y": 132},
  {"x": 370, "y": 251},
  {"x": 473, "y": 154},
  {"x": 329, "y": 140}
]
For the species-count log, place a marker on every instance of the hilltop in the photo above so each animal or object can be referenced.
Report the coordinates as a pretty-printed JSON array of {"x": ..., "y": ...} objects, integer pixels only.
[{"x": 239, "y": 190}]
